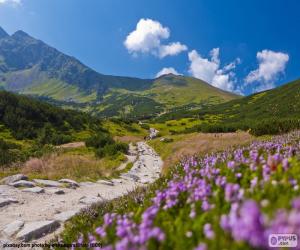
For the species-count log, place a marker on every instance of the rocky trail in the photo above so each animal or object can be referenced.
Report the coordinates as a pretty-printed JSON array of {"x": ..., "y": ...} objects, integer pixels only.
[{"x": 32, "y": 211}]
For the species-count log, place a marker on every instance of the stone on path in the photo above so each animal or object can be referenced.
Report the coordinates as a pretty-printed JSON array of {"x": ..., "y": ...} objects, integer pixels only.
[
  {"x": 55, "y": 191},
  {"x": 36, "y": 190},
  {"x": 90, "y": 200},
  {"x": 48, "y": 183},
  {"x": 86, "y": 183},
  {"x": 13, "y": 178},
  {"x": 13, "y": 227},
  {"x": 37, "y": 229},
  {"x": 22, "y": 183},
  {"x": 71, "y": 183},
  {"x": 105, "y": 182},
  {"x": 7, "y": 201},
  {"x": 64, "y": 216}
]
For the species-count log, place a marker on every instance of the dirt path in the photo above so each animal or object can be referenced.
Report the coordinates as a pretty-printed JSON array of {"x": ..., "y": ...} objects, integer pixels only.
[{"x": 26, "y": 216}]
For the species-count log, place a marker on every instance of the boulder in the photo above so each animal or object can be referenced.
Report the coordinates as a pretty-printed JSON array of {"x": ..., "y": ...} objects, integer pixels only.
[
  {"x": 7, "y": 201},
  {"x": 13, "y": 178},
  {"x": 13, "y": 228},
  {"x": 37, "y": 229},
  {"x": 22, "y": 183},
  {"x": 36, "y": 190},
  {"x": 48, "y": 183}
]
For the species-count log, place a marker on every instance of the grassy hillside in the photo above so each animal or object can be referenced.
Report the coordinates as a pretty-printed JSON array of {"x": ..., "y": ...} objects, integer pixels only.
[
  {"x": 31, "y": 128},
  {"x": 267, "y": 112},
  {"x": 172, "y": 91}
]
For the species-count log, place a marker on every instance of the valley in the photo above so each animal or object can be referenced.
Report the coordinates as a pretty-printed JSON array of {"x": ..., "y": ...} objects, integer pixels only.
[{"x": 171, "y": 162}]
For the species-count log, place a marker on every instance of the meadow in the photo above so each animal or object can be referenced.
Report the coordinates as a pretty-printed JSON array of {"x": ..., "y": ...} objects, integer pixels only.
[{"x": 224, "y": 200}]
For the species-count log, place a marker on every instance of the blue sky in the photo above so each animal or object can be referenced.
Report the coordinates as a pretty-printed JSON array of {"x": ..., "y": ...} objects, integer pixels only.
[{"x": 242, "y": 46}]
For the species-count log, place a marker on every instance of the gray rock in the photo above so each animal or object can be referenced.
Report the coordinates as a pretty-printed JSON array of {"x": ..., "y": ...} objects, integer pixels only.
[
  {"x": 55, "y": 191},
  {"x": 13, "y": 178},
  {"x": 37, "y": 229},
  {"x": 13, "y": 227},
  {"x": 64, "y": 216},
  {"x": 69, "y": 182},
  {"x": 105, "y": 182},
  {"x": 48, "y": 183},
  {"x": 22, "y": 183},
  {"x": 90, "y": 200},
  {"x": 86, "y": 183},
  {"x": 36, "y": 190},
  {"x": 7, "y": 201}
]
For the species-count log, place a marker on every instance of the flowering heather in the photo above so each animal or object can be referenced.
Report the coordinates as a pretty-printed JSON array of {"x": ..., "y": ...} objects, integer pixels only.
[{"x": 227, "y": 200}]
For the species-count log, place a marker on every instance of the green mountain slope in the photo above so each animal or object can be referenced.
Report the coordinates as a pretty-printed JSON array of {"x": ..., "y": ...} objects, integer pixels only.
[
  {"x": 281, "y": 102},
  {"x": 268, "y": 112},
  {"x": 26, "y": 118},
  {"x": 31, "y": 67}
]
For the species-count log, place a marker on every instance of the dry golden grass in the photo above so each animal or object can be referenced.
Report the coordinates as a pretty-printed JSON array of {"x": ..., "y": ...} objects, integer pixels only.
[
  {"x": 197, "y": 144},
  {"x": 129, "y": 138},
  {"x": 78, "y": 167}
]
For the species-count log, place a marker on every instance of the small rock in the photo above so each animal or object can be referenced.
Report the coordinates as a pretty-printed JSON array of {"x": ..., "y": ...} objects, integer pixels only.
[
  {"x": 7, "y": 201},
  {"x": 48, "y": 183},
  {"x": 71, "y": 183},
  {"x": 13, "y": 178},
  {"x": 35, "y": 230},
  {"x": 13, "y": 227},
  {"x": 22, "y": 183},
  {"x": 36, "y": 190},
  {"x": 64, "y": 216},
  {"x": 105, "y": 182},
  {"x": 55, "y": 191},
  {"x": 89, "y": 200}
]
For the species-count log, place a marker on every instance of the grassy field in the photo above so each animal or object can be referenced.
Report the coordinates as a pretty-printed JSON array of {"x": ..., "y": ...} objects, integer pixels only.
[{"x": 183, "y": 145}]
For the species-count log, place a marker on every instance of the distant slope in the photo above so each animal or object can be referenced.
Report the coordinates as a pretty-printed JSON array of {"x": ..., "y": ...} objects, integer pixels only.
[
  {"x": 181, "y": 90},
  {"x": 31, "y": 67}
]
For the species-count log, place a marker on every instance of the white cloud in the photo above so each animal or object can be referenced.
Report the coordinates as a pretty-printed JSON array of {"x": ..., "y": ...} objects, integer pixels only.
[
  {"x": 171, "y": 49},
  {"x": 165, "y": 71},
  {"x": 12, "y": 2},
  {"x": 147, "y": 38},
  {"x": 270, "y": 65},
  {"x": 209, "y": 69}
]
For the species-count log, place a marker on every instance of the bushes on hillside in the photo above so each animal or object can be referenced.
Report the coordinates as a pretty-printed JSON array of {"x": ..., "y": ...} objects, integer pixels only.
[
  {"x": 263, "y": 127},
  {"x": 105, "y": 145},
  {"x": 28, "y": 118}
]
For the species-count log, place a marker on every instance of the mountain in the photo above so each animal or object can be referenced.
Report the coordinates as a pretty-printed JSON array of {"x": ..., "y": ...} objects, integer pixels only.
[{"x": 31, "y": 67}]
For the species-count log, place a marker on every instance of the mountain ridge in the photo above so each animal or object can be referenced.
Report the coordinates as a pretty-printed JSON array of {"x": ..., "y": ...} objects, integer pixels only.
[{"x": 30, "y": 66}]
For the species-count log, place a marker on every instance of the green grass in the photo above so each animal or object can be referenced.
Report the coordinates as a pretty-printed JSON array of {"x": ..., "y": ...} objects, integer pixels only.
[{"x": 60, "y": 91}]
